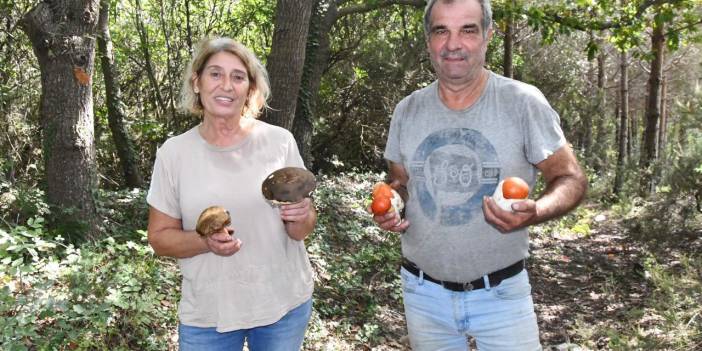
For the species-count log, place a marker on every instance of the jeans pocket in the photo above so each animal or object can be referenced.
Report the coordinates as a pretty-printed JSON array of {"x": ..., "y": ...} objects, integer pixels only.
[
  {"x": 409, "y": 281},
  {"x": 513, "y": 288}
]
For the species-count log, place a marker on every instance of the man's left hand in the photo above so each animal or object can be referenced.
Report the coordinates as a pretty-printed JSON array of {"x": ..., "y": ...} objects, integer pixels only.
[{"x": 507, "y": 221}]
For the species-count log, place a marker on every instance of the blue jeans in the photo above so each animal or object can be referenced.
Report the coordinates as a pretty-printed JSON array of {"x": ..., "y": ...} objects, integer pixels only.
[
  {"x": 500, "y": 317},
  {"x": 286, "y": 334}
]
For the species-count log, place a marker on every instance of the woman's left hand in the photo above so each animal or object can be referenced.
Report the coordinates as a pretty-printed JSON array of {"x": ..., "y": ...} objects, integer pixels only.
[
  {"x": 296, "y": 212},
  {"x": 299, "y": 218}
]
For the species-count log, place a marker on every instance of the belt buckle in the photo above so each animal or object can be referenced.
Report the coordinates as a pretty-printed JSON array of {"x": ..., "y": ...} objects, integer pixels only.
[{"x": 467, "y": 286}]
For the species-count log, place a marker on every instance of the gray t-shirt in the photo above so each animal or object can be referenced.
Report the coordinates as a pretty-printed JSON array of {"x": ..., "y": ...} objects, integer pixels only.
[
  {"x": 271, "y": 274},
  {"x": 454, "y": 158}
]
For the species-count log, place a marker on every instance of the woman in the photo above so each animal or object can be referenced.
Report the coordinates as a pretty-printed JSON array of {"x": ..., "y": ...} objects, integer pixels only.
[{"x": 255, "y": 285}]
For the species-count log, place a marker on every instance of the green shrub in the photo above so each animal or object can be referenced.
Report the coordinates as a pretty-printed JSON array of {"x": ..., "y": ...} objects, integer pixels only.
[{"x": 107, "y": 295}]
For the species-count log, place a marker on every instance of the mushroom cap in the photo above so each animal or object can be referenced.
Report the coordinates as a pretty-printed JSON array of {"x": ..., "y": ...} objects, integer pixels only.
[
  {"x": 288, "y": 185},
  {"x": 213, "y": 219}
]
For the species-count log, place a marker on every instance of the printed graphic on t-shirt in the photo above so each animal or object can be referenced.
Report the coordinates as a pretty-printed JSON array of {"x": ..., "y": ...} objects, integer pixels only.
[{"x": 452, "y": 169}]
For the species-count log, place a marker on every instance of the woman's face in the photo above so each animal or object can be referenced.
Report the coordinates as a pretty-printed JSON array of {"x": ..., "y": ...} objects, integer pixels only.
[{"x": 223, "y": 86}]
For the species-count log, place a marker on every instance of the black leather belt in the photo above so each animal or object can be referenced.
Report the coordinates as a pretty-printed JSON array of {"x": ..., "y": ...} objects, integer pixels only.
[{"x": 495, "y": 277}]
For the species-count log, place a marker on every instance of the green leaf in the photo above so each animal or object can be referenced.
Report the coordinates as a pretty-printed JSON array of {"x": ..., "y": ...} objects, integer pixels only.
[{"x": 78, "y": 308}]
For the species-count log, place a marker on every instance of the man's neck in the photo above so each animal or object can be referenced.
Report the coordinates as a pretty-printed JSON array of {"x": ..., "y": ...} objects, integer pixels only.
[{"x": 463, "y": 95}]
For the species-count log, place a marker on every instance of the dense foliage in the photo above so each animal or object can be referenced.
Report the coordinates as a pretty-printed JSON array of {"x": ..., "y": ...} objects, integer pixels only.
[
  {"x": 116, "y": 294},
  {"x": 59, "y": 292}
]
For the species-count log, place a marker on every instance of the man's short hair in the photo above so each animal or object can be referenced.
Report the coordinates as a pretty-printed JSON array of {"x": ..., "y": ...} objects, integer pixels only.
[{"x": 484, "y": 5}]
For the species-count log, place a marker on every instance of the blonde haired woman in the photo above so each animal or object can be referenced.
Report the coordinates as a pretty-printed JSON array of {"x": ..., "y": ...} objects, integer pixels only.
[{"x": 255, "y": 285}]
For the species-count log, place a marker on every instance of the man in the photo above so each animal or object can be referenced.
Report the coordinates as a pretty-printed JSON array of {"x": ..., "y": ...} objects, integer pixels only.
[{"x": 448, "y": 147}]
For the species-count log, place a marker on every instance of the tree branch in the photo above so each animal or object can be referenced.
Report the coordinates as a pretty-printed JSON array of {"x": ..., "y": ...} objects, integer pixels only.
[
  {"x": 603, "y": 25},
  {"x": 362, "y": 8}
]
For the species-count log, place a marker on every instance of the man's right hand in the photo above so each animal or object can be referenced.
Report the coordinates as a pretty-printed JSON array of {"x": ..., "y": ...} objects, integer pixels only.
[{"x": 391, "y": 221}]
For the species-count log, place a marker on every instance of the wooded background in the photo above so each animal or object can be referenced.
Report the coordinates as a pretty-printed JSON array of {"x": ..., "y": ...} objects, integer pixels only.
[{"x": 89, "y": 90}]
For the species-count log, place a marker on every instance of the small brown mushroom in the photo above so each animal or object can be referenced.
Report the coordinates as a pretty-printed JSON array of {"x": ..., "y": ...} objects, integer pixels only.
[
  {"x": 288, "y": 185},
  {"x": 212, "y": 220}
]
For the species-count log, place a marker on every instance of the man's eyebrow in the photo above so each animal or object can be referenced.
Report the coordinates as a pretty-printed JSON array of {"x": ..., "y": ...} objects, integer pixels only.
[{"x": 465, "y": 26}]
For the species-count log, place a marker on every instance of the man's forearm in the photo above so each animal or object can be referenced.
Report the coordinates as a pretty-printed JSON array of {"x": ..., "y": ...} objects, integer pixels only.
[{"x": 560, "y": 197}]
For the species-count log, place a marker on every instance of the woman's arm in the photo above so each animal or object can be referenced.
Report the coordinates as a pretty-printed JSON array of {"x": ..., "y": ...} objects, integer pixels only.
[{"x": 167, "y": 238}]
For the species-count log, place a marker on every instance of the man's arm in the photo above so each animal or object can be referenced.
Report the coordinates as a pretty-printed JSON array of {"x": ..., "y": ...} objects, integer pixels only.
[{"x": 566, "y": 185}]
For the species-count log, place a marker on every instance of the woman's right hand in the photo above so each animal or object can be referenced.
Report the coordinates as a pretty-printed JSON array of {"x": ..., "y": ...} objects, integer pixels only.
[{"x": 222, "y": 243}]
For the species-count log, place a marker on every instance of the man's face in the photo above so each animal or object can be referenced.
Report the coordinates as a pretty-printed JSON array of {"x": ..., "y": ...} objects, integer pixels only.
[{"x": 455, "y": 43}]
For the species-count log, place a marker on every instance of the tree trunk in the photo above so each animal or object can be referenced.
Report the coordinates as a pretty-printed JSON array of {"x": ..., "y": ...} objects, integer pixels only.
[
  {"x": 170, "y": 74},
  {"x": 663, "y": 128},
  {"x": 623, "y": 122},
  {"x": 508, "y": 43},
  {"x": 632, "y": 138},
  {"x": 304, "y": 112},
  {"x": 601, "y": 132},
  {"x": 317, "y": 52},
  {"x": 325, "y": 14},
  {"x": 188, "y": 29},
  {"x": 652, "y": 114},
  {"x": 585, "y": 131},
  {"x": 148, "y": 66},
  {"x": 115, "y": 113},
  {"x": 287, "y": 58},
  {"x": 63, "y": 38}
]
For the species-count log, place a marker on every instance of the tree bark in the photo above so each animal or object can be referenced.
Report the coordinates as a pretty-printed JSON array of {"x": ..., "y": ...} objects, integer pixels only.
[
  {"x": 633, "y": 137},
  {"x": 317, "y": 52},
  {"x": 287, "y": 58},
  {"x": 63, "y": 39},
  {"x": 585, "y": 131},
  {"x": 623, "y": 123},
  {"x": 148, "y": 65},
  {"x": 663, "y": 128},
  {"x": 115, "y": 111},
  {"x": 653, "y": 113},
  {"x": 302, "y": 123},
  {"x": 508, "y": 44},
  {"x": 601, "y": 132},
  {"x": 188, "y": 29}
]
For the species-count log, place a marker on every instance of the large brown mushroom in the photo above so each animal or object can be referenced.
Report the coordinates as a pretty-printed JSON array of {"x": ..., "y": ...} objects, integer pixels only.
[
  {"x": 288, "y": 185},
  {"x": 212, "y": 220}
]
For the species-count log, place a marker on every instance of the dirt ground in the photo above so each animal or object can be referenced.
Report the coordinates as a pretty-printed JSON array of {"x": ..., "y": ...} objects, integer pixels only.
[
  {"x": 581, "y": 282},
  {"x": 597, "y": 280}
]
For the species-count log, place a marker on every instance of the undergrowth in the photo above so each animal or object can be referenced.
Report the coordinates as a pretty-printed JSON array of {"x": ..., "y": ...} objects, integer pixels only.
[{"x": 116, "y": 294}]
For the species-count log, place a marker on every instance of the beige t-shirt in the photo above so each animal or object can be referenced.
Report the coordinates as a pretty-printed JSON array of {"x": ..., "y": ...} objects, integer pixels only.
[{"x": 271, "y": 274}]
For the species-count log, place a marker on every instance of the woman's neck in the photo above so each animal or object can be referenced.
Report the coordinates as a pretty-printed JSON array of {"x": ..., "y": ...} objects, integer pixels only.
[{"x": 225, "y": 132}]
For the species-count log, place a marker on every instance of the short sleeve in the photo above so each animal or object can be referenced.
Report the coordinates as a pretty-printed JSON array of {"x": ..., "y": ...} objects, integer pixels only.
[
  {"x": 544, "y": 134},
  {"x": 392, "y": 146},
  {"x": 163, "y": 195},
  {"x": 293, "y": 158}
]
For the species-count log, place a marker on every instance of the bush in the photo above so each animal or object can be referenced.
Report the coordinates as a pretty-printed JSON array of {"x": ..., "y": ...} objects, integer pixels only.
[
  {"x": 112, "y": 294},
  {"x": 356, "y": 264},
  {"x": 107, "y": 295}
]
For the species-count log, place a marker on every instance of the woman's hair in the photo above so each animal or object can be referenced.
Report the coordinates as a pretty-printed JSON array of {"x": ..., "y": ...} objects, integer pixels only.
[{"x": 259, "y": 88}]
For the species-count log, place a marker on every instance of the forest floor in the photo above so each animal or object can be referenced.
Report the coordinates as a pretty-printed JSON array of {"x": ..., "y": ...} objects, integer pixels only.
[
  {"x": 582, "y": 285},
  {"x": 586, "y": 288}
]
